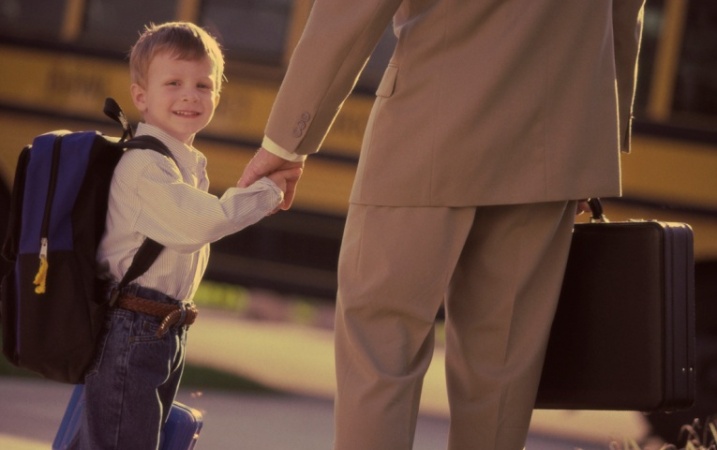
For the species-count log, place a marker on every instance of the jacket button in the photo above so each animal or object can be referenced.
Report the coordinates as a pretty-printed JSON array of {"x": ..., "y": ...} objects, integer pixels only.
[{"x": 301, "y": 124}]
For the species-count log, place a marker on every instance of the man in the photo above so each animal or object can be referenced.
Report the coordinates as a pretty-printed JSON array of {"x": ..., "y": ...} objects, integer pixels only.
[{"x": 492, "y": 119}]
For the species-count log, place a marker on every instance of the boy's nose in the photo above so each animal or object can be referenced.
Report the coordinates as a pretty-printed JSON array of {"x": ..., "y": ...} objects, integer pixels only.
[{"x": 190, "y": 95}]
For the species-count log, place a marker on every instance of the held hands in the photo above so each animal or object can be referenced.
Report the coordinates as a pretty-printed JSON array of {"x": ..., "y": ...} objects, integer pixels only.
[
  {"x": 284, "y": 178},
  {"x": 284, "y": 173}
]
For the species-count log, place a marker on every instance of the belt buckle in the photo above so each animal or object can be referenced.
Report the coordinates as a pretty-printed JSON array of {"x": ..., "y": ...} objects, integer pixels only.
[{"x": 175, "y": 318}]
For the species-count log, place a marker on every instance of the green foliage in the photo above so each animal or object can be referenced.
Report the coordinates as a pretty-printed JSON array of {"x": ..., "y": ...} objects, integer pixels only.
[
  {"x": 700, "y": 437},
  {"x": 696, "y": 436},
  {"x": 197, "y": 377},
  {"x": 627, "y": 444}
]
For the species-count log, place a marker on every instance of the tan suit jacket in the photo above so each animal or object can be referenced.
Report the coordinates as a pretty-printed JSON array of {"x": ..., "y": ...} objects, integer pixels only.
[{"x": 483, "y": 102}]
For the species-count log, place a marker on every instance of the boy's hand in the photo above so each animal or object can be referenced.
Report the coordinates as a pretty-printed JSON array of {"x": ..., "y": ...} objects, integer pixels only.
[
  {"x": 265, "y": 163},
  {"x": 285, "y": 177}
]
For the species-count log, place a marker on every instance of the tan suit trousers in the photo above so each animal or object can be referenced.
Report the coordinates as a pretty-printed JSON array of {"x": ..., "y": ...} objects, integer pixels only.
[{"x": 498, "y": 271}]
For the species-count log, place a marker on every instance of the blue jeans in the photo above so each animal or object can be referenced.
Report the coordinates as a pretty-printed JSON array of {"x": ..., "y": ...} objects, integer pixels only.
[{"x": 130, "y": 388}]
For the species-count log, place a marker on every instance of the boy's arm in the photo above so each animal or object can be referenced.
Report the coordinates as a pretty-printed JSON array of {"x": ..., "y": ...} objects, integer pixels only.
[{"x": 180, "y": 216}]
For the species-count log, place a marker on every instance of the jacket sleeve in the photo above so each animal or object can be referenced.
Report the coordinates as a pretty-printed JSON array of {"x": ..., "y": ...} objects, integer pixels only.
[
  {"x": 627, "y": 32},
  {"x": 334, "y": 47}
]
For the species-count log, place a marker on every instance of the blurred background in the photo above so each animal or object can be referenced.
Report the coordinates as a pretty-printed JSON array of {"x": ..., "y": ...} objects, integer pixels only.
[{"x": 59, "y": 60}]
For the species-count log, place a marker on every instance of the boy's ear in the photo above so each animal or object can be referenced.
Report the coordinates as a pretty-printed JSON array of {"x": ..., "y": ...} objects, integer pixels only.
[{"x": 138, "y": 97}]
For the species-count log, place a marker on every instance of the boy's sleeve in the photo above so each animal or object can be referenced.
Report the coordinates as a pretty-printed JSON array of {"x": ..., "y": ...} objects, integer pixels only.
[{"x": 184, "y": 218}]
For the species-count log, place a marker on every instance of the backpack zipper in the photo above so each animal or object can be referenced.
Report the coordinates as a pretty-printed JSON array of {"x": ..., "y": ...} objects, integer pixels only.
[{"x": 41, "y": 276}]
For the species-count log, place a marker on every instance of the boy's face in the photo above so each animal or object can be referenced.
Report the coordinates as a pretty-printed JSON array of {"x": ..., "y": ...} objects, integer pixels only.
[{"x": 180, "y": 96}]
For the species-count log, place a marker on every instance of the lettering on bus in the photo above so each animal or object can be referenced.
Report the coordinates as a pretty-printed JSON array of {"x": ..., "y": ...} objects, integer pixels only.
[{"x": 78, "y": 83}]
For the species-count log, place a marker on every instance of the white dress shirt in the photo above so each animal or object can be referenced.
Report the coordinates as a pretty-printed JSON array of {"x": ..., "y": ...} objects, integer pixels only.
[{"x": 152, "y": 196}]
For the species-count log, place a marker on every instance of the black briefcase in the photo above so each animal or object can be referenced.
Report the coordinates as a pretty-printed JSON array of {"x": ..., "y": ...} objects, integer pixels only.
[{"x": 623, "y": 337}]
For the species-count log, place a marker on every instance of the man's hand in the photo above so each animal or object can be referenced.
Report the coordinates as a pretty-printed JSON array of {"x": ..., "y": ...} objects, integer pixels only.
[
  {"x": 583, "y": 207},
  {"x": 264, "y": 163}
]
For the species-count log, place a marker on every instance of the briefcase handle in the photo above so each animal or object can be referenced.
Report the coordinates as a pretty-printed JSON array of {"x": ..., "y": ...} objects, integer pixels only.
[{"x": 597, "y": 211}]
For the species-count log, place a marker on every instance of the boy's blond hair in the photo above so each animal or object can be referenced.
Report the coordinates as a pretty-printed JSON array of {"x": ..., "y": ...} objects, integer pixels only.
[{"x": 182, "y": 40}]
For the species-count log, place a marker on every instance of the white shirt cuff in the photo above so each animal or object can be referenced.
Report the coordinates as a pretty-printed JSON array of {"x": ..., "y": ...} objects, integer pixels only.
[{"x": 274, "y": 148}]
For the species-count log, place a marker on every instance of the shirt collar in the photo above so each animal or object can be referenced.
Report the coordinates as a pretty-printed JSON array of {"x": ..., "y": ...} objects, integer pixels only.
[{"x": 185, "y": 155}]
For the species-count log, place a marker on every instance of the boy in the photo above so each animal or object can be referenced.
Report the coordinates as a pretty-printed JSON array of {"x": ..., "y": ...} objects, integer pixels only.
[{"x": 176, "y": 73}]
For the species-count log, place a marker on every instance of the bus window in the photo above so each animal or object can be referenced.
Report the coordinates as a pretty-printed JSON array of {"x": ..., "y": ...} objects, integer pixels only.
[
  {"x": 31, "y": 18},
  {"x": 695, "y": 100},
  {"x": 253, "y": 30},
  {"x": 114, "y": 26}
]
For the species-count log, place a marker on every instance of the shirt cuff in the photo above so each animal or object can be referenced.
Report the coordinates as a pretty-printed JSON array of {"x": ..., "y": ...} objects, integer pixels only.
[
  {"x": 274, "y": 148},
  {"x": 274, "y": 188}
]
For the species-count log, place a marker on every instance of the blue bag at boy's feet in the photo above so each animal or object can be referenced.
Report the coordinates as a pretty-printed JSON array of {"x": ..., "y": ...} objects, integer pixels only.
[{"x": 179, "y": 433}]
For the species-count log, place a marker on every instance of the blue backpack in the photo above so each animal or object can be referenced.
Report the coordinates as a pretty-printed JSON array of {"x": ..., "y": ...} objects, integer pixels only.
[{"x": 53, "y": 306}]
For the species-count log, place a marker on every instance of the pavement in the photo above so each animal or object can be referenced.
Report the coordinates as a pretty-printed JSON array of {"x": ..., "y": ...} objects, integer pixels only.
[{"x": 296, "y": 361}]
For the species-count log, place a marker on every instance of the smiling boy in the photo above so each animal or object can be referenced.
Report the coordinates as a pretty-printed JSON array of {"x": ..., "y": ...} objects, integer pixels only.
[
  {"x": 176, "y": 72},
  {"x": 163, "y": 97}
]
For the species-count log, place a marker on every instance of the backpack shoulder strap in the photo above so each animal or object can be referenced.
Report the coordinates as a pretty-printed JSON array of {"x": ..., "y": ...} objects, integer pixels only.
[
  {"x": 128, "y": 140},
  {"x": 150, "y": 249},
  {"x": 113, "y": 111},
  {"x": 147, "y": 142},
  {"x": 145, "y": 256},
  {"x": 143, "y": 259}
]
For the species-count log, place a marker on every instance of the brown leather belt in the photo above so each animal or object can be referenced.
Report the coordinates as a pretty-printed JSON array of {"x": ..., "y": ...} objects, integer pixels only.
[{"x": 171, "y": 315}]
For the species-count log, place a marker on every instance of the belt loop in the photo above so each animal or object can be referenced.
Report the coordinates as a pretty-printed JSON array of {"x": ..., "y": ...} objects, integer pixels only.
[
  {"x": 114, "y": 296},
  {"x": 183, "y": 314}
]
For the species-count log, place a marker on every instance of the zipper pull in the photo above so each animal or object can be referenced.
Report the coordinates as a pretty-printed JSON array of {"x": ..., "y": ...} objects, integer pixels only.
[{"x": 41, "y": 277}]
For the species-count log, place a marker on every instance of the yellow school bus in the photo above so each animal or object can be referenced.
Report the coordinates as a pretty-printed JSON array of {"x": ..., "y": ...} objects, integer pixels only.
[{"x": 62, "y": 58}]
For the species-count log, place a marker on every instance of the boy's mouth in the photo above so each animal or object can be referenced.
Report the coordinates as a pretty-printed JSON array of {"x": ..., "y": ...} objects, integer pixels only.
[{"x": 187, "y": 113}]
